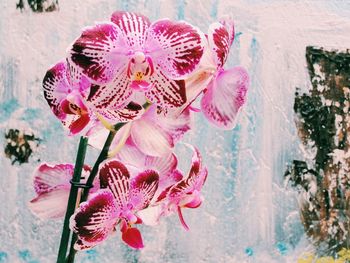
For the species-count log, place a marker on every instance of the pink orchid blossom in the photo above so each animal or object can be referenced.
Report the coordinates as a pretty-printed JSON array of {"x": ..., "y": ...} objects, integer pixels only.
[
  {"x": 224, "y": 90},
  {"x": 131, "y": 55},
  {"x": 185, "y": 193},
  {"x": 70, "y": 100},
  {"x": 118, "y": 201},
  {"x": 52, "y": 186}
]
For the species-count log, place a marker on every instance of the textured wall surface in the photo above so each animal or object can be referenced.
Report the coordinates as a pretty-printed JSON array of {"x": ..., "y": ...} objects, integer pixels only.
[{"x": 248, "y": 214}]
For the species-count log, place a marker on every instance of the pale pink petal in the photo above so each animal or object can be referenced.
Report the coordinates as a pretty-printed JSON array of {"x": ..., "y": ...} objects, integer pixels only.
[
  {"x": 175, "y": 125},
  {"x": 175, "y": 47},
  {"x": 131, "y": 155},
  {"x": 150, "y": 139},
  {"x": 225, "y": 96},
  {"x": 165, "y": 92},
  {"x": 133, "y": 238},
  {"x": 219, "y": 43},
  {"x": 133, "y": 26},
  {"x": 51, "y": 204},
  {"x": 100, "y": 52},
  {"x": 95, "y": 219},
  {"x": 151, "y": 215},
  {"x": 115, "y": 176},
  {"x": 56, "y": 87},
  {"x": 115, "y": 94},
  {"x": 142, "y": 189},
  {"x": 47, "y": 176}
]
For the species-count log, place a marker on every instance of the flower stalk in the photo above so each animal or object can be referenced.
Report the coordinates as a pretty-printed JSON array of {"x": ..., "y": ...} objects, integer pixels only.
[{"x": 79, "y": 163}]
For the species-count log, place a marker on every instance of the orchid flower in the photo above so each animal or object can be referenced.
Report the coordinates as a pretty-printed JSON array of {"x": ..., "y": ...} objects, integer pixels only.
[
  {"x": 52, "y": 186},
  {"x": 224, "y": 90},
  {"x": 119, "y": 200},
  {"x": 131, "y": 55},
  {"x": 70, "y": 99},
  {"x": 184, "y": 193}
]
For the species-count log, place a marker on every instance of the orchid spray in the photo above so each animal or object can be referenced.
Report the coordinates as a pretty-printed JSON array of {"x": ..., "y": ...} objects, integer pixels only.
[{"x": 127, "y": 87}]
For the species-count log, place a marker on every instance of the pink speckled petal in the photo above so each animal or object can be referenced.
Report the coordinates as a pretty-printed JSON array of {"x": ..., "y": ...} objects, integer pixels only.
[
  {"x": 225, "y": 96},
  {"x": 219, "y": 43},
  {"x": 143, "y": 188},
  {"x": 165, "y": 92},
  {"x": 116, "y": 94},
  {"x": 95, "y": 219},
  {"x": 100, "y": 52},
  {"x": 229, "y": 24},
  {"x": 176, "y": 47},
  {"x": 115, "y": 176},
  {"x": 133, "y": 26},
  {"x": 132, "y": 111},
  {"x": 56, "y": 87}
]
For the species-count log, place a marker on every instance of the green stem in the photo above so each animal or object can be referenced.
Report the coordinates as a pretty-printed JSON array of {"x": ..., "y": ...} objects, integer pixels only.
[
  {"x": 103, "y": 156},
  {"x": 72, "y": 200}
]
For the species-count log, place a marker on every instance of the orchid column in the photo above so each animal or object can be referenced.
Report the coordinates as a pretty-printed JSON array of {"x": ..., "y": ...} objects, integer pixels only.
[{"x": 131, "y": 83}]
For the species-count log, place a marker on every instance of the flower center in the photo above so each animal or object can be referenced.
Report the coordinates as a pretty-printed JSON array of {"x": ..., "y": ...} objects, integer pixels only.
[{"x": 140, "y": 66}]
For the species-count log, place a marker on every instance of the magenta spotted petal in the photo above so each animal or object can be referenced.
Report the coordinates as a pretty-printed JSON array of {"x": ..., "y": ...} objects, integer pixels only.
[
  {"x": 115, "y": 94},
  {"x": 65, "y": 98},
  {"x": 225, "y": 96},
  {"x": 143, "y": 188},
  {"x": 115, "y": 176},
  {"x": 176, "y": 47},
  {"x": 229, "y": 24},
  {"x": 131, "y": 112},
  {"x": 134, "y": 27},
  {"x": 56, "y": 88},
  {"x": 219, "y": 43},
  {"x": 101, "y": 52},
  {"x": 95, "y": 219},
  {"x": 165, "y": 92}
]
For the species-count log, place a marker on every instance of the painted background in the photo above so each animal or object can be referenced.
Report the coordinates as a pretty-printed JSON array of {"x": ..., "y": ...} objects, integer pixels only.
[{"x": 248, "y": 214}]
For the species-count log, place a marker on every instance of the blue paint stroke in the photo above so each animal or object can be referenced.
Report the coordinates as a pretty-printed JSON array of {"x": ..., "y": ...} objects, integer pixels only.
[
  {"x": 31, "y": 114},
  {"x": 214, "y": 10},
  {"x": 3, "y": 257},
  {"x": 282, "y": 248},
  {"x": 249, "y": 251},
  {"x": 26, "y": 256},
  {"x": 7, "y": 108},
  {"x": 181, "y": 10}
]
